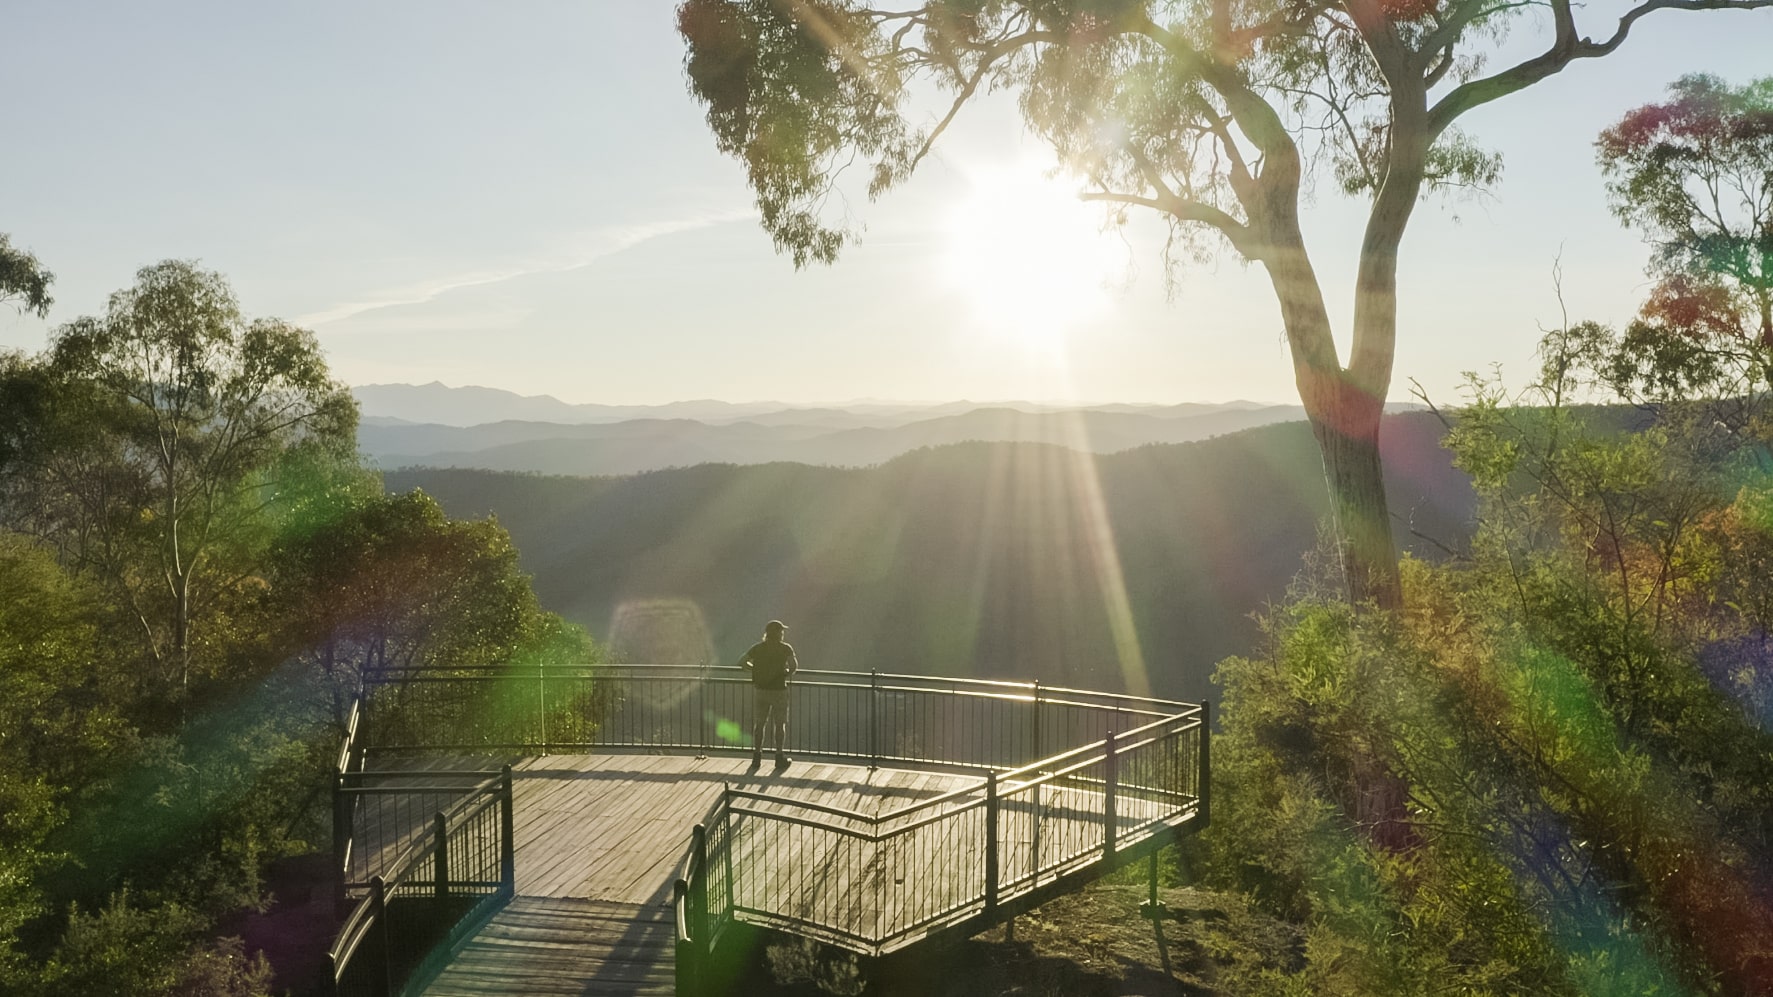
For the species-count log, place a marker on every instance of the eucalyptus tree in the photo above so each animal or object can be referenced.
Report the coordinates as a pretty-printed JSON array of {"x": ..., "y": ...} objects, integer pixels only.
[
  {"x": 1218, "y": 115},
  {"x": 151, "y": 445},
  {"x": 23, "y": 280},
  {"x": 1695, "y": 175}
]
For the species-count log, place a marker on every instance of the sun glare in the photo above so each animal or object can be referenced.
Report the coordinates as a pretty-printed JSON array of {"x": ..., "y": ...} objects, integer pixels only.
[{"x": 1032, "y": 259}]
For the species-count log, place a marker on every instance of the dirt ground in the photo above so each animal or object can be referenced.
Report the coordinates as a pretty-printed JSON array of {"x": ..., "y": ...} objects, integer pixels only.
[{"x": 1095, "y": 943}]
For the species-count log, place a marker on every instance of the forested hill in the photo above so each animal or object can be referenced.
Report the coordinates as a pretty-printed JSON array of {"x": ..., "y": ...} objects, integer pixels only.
[
  {"x": 842, "y": 439},
  {"x": 994, "y": 560}
]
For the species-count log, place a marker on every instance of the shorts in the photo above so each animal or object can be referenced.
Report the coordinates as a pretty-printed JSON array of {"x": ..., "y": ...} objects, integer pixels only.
[{"x": 772, "y": 704}]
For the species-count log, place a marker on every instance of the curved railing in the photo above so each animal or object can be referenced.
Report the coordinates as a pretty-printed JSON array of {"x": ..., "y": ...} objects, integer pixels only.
[
  {"x": 873, "y": 717},
  {"x": 1068, "y": 782},
  {"x": 959, "y": 861},
  {"x": 439, "y": 887}
]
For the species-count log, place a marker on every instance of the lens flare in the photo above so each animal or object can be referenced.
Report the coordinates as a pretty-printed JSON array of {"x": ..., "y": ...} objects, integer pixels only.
[{"x": 1032, "y": 260}]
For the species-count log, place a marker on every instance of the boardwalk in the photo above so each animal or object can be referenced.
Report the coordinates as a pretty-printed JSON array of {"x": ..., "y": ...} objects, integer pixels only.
[
  {"x": 559, "y": 878},
  {"x": 599, "y": 839}
]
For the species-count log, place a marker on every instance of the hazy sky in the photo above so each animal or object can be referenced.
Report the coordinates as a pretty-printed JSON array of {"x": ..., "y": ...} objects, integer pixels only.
[{"x": 524, "y": 196}]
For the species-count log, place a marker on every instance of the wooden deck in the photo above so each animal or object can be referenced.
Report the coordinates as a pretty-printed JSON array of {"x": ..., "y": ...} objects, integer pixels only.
[{"x": 598, "y": 843}]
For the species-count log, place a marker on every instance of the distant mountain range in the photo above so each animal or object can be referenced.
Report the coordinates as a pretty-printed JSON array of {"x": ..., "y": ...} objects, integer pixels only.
[
  {"x": 994, "y": 560},
  {"x": 430, "y": 426},
  {"x": 389, "y": 404}
]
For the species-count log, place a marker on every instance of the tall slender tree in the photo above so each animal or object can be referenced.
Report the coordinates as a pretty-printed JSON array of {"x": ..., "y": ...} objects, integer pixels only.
[
  {"x": 1213, "y": 113},
  {"x": 148, "y": 443},
  {"x": 1695, "y": 175}
]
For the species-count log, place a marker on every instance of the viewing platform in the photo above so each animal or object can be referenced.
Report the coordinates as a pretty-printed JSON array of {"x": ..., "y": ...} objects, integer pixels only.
[{"x": 602, "y": 830}]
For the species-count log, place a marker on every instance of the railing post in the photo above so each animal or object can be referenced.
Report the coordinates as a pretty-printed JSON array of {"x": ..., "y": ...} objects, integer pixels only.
[
  {"x": 873, "y": 719},
  {"x": 1111, "y": 763},
  {"x": 726, "y": 835},
  {"x": 1036, "y": 737},
  {"x": 689, "y": 976},
  {"x": 440, "y": 863},
  {"x": 702, "y": 721},
  {"x": 341, "y": 838},
  {"x": 698, "y": 884},
  {"x": 542, "y": 703},
  {"x": 990, "y": 841},
  {"x": 1204, "y": 810},
  {"x": 378, "y": 912},
  {"x": 507, "y": 835}
]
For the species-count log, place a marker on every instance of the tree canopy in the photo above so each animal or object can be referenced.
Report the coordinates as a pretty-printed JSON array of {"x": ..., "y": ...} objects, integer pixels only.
[
  {"x": 152, "y": 440},
  {"x": 23, "y": 280},
  {"x": 1695, "y": 175},
  {"x": 194, "y": 567}
]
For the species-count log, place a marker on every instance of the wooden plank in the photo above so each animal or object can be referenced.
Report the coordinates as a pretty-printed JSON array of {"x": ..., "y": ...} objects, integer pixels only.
[
  {"x": 599, "y": 838},
  {"x": 568, "y": 947}
]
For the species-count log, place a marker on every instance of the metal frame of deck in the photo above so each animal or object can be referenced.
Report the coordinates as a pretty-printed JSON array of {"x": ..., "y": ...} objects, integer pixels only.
[{"x": 1061, "y": 786}]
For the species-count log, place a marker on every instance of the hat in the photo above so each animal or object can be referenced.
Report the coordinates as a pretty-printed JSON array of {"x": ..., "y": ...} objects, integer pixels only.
[{"x": 774, "y": 625}]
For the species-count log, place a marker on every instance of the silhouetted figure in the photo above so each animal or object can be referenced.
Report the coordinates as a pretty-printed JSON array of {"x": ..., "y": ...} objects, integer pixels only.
[{"x": 771, "y": 663}]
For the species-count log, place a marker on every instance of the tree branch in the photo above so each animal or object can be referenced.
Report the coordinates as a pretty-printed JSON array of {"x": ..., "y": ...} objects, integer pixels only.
[
  {"x": 1183, "y": 209},
  {"x": 988, "y": 58},
  {"x": 1566, "y": 48}
]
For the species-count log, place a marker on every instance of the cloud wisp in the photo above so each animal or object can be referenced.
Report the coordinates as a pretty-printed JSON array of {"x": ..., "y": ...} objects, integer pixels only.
[{"x": 586, "y": 248}]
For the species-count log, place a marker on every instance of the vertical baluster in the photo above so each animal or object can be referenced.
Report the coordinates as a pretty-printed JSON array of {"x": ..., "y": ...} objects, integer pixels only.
[
  {"x": 341, "y": 839},
  {"x": 990, "y": 841},
  {"x": 726, "y": 837},
  {"x": 699, "y": 889},
  {"x": 1111, "y": 775},
  {"x": 1204, "y": 811},
  {"x": 507, "y": 835},
  {"x": 440, "y": 861}
]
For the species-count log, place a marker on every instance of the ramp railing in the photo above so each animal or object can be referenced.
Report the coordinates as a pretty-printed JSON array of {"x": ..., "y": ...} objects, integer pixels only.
[
  {"x": 1068, "y": 783},
  {"x": 441, "y": 887},
  {"x": 959, "y": 861}
]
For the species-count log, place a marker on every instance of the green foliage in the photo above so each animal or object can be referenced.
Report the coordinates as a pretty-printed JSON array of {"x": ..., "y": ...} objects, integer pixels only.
[
  {"x": 1695, "y": 174},
  {"x": 1346, "y": 800},
  {"x": 151, "y": 442},
  {"x": 1550, "y": 772},
  {"x": 23, "y": 279},
  {"x": 787, "y": 92},
  {"x": 129, "y": 951},
  {"x": 186, "y": 526},
  {"x": 389, "y": 582}
]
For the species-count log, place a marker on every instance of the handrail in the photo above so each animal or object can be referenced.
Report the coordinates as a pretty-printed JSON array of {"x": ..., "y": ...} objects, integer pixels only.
[
  {"x": 1112, "y": 773},
  {"x": 965, "y": 724},
  {"x": 1107, "y": 800},
  {"x": 831, "y": 677},
  {"x": 350, "y": 736},
  {"x": 432, "y": 873}
]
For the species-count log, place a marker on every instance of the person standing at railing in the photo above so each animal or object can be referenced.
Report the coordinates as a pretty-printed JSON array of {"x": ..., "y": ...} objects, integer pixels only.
[{"x": 771, "y": 663}]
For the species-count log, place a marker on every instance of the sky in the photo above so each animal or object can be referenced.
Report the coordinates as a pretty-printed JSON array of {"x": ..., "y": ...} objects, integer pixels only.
[{"x": 525, "y": 196}]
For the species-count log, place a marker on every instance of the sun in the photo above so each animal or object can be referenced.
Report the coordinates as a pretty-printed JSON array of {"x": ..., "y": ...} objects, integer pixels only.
[{"x": 1031, "y": 259}]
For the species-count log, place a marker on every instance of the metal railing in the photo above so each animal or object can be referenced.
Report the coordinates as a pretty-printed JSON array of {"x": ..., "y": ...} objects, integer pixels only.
[
  {"x": 1114, "y": 774},
  {"x": 874, "y": 883},
  {"x": 856, "y": 716},
  {"x": 440, "y": 887},
  {"x": 378, "y": 815}
]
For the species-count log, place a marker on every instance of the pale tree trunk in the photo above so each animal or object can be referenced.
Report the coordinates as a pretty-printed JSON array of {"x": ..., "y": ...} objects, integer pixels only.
[
  {"x": 1345, "y": 416},
  {"x": 1346, "y": 405},
  {"x": 1346, "y": 425}
]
